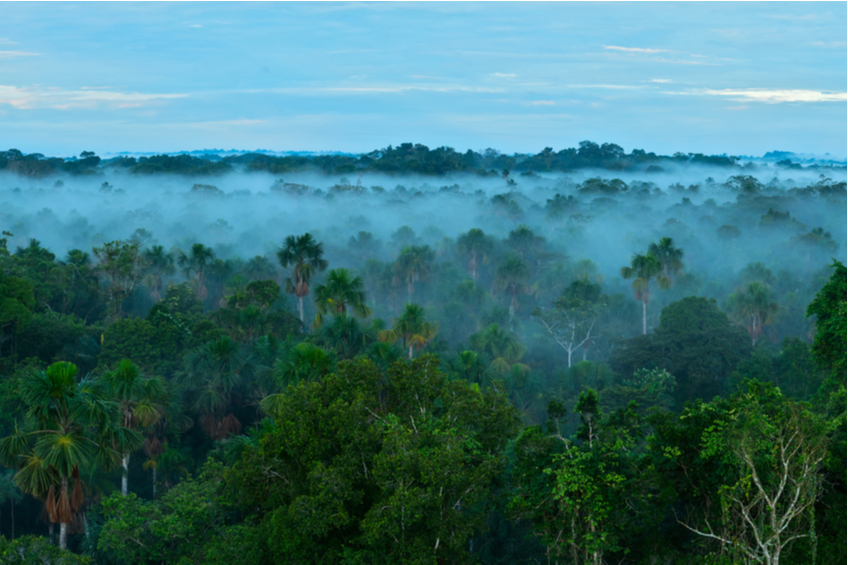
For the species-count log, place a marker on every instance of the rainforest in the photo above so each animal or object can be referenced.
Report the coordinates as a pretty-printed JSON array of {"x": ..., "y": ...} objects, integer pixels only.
[{"x": 418, "y": 355}]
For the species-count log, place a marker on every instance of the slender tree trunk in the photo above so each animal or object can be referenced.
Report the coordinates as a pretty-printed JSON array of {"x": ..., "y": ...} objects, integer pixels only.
[
  {"x": 63, "y": 535},
  {"x": 410, "y": 352},
  {"x": 300, "y": 307},
  {"x": 512, "y": 308},
  {"x": 50, "y": 533},
  {"x": 154, "y": 483},
  {"x": 644, "y": 318},
  {"x": 569, "y": 358},
  {"x": 584, "y": 353},
  {"x": 125, "y": 463},
  {"x": 13, "y": 518}
]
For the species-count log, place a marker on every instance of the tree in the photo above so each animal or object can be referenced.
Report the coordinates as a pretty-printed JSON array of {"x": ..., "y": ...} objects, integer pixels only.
[
  {"x": 396, "y": 466},
  {"x": 669, "y": 256},
  {"x": 340, "y": 292},
  {"x": 475, "y": 245},
  {"x": 572, "y": 321},
  {"x": 122, "y": 265},
  {"x": 160, "y": 264},
  {"x": 776, "y": 447},
  {"x": 74, "y": 427},
  {"x": 411, "y": 329},
  {"x": 510, "y": 278},
  {"x": 829, "y": 308},
  {"x": 412, "y": 265},
  {"x": 643, "y": 269},
  {"x": 305, "y": 255},
  {"x": 141, "y": 401},
  {"x": 752, "y": 306},
  {"x": 501, "y": 346},
  {"x": 195, "y": 264},
  {"x": 213, "y": 372}
]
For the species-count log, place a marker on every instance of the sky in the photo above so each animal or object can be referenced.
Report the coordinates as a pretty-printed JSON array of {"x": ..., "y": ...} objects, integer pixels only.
[{"x": 740, "y": 78}]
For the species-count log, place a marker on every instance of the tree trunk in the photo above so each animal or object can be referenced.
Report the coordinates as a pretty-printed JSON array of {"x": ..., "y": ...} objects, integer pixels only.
[
  {"x": 125, "y": 463},
  {"x": 50, "y": 533},
  {"x": 644, "y": 318},
  {"x": 512, "y": 308},
  {"x": 569, "y": 358},
  {"x": 410, "y": 352},
  {"x": 63, "y": 535},
  {"x": 300, "y": 307},
  {"x": 13, "y": 518},
  {"x": 154, "y": 483}
]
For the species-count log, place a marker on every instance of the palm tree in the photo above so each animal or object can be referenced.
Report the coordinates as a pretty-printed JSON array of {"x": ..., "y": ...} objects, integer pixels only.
[
  {"x": 259, "y": 268},
  {"x": 212, "y": 375},
  {"x": 510, "y": 278},
  {"x": 504, "y": 348},
  {"x": 160, "y": 263},
  {"x": 412, "y": 265},
  {"x": 643, "y": 269},
  {"x": 347, "y": 336},
  {"x": 474, "y": 245},
  {"x": 141, "y": 401},
  {"x": 341, "y": 291},
  {"x": 195, "y": 264},
  {"x": 669, "y": 256},
  {"x": 74, "y": 426},
  {"x": 303, "y": 362},
  {"x": 752, "y": 306},
  {"x": 411, "y": 329},
  {"x": 305, "y": 255}
]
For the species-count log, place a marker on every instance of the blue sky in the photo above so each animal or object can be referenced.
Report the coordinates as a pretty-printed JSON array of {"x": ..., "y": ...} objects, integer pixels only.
[{"x": 713, "y": 77}]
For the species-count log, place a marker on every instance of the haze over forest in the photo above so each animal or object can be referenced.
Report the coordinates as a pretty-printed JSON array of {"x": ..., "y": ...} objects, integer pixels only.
[{"x": 190, "y": 322}]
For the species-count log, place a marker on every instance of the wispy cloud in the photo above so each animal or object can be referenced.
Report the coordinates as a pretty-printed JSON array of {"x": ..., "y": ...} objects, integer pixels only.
[
  {"x": 607, "y": 86},
  {"x": 543, "y": 103},
  {"x": 374, "y": 89},
  {"x": 7, "y": 41},
  {"x": 503, "y": 75},
  {"x": 10, "y": 54},
  {"x": 635, "y": 49},
  {"x": 88, "y": 97},
  {"x": 771, "y": 96},
  {"x": 660, "y": 80},
  {"x": 794, "y": 18},
  {"x": 834, "y": 44}
]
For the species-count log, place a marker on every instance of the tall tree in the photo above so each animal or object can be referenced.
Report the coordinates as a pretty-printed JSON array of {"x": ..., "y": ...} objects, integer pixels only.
[
  {"x": 502, "y": 347},
  {"x": 160, "y": 264},
  {"x": 475, "y": 245},
  {"x": 412, "y": 265},
  {"x": 341, "y": 291},
  {"x": 752, "y": 306},
  {"x": 305, "y": 255},
  {"x": 643, "y": 269},
  {"x": 74, "y": 426},
  {"x": 122, "y": 265},
  {"x": 196, "y": 263},
  {"x": 572, "y": 321},
  {"x": 412, "y": 329},
  {"x": 669, "y": 256},
  {"x": 511, "y": 274},
  {"x": 141, "y": 401}
]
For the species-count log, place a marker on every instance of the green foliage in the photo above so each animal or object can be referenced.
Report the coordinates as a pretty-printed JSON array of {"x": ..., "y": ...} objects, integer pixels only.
[
  {"x": 395, "y": 467},
  {"x": 37, "y": 550}
]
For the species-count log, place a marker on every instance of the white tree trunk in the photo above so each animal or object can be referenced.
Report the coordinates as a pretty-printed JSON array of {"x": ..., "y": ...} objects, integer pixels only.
[
  {"x": 644, "y": 318},
  {"x": 63, "y": 535},
  {"x": 125, "y": 463},
  {"x": 300, "y": 307}
]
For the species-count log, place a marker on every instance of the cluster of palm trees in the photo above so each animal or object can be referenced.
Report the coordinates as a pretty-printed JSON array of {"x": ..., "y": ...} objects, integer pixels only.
[{"x": 660, "y": 264}]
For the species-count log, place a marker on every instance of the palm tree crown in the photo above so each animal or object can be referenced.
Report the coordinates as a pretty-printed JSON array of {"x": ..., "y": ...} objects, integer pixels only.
[
  {"x": 341, "y": 291},
  {"x": 306, "y": 257},
  {"x": 411, "y": 328}
]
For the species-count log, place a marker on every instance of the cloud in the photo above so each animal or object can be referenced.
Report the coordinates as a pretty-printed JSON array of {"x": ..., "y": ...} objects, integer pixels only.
[
  {"x": 503, "y": 75},
  {"x": 793, "y": 18},
  {"x": 373, "y": 89},
  {"x": 10, "y": 54},
  {"x": 770, "y": 96},
  {"x": 543, "y": 103},
  {"x": 606, "y": 86},
  {"x": 195, "y": 25},
  {"x": 661, "y": 80},
  {"x": 89, "y": 97},
  {"x": 835, "y": 44},
  {"x": 7, "y": 41},
  {"x": 635, "y": 49}
]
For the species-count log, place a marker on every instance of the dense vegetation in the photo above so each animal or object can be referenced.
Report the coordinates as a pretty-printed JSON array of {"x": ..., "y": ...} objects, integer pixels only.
[{"x": 516, "y": 366}]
